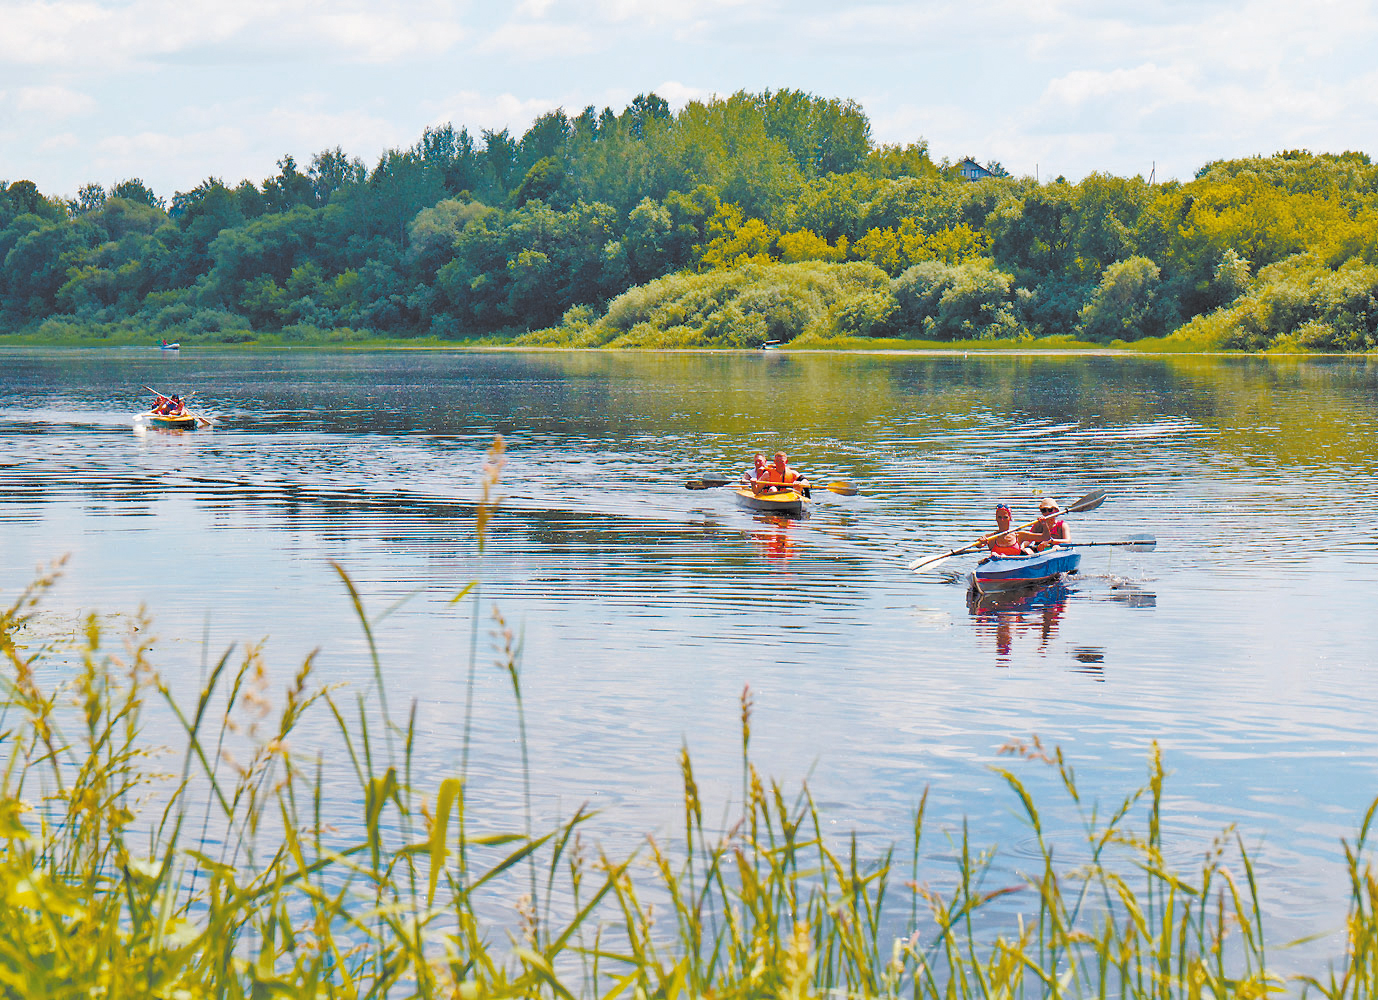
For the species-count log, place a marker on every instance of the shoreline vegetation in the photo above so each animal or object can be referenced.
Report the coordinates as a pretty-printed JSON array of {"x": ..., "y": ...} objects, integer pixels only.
[
  {"x": 214, "y": 864},
  {"x": 736, "y": 221},
  {"x": 48, "y": 336}
]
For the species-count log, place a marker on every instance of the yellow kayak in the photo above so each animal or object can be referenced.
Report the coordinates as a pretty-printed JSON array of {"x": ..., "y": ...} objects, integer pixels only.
[
  {"x": 782, "y": 502},
  {"x": 182, "y": 422}
]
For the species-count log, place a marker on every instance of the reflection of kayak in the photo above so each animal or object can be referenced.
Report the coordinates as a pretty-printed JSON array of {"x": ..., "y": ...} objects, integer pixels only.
[
  {"x": 184, "y": 422},
  {"x": 1004, "y": 602},
  {"x": 783, "y": 502},
  {"x": 1013, "y": 572}
]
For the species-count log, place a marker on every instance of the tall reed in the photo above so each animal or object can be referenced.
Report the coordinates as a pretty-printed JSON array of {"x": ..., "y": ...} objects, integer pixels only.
[{"x": 226, "y": 869}]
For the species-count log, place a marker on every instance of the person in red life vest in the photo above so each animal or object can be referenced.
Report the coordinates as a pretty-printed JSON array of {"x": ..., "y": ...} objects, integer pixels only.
[
  {"x": 175, "y": 407},
  {"x": 780, "y": 476},
  {"x": 1049, "y": 529},
  {"x": 159, "y": 404},
  {"x": 1004, "y": 542}
]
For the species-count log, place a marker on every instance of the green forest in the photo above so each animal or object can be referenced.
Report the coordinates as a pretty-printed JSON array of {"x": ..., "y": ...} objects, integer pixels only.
[{"x": 736, "y": 221}]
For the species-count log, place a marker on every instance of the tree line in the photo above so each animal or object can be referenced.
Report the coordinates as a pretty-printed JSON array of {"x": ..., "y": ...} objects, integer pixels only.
[{"x": 757, "y": 216}]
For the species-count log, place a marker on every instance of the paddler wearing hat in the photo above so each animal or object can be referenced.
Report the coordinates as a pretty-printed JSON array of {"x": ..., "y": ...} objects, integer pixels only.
[{"x": 1049, "y": 529}]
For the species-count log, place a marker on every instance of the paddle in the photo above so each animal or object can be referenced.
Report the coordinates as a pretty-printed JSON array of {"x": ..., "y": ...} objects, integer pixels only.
[
  {"x": 1139, "y": 543},
  {"x": 165, "y": 395},
  {"x": 708, "y": 482},
  {"x": 840, "y": 487},
  {"x": 1091, "y": 501}
]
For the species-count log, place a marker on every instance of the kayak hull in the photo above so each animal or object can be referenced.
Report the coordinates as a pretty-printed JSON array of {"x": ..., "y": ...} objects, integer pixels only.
[
  {"x": 185, "y": 422},
  {"x": 785, "y": 502},
  {"x": 994, "y": 574}
]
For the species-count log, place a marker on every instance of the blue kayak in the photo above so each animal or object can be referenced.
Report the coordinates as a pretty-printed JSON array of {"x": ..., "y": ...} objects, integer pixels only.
[{"x": 995, "y": 573}]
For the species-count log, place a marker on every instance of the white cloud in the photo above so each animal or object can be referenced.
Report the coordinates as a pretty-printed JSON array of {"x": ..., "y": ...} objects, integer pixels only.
[
  {"x": 656, "y": 12},
  {"x": 678, "y": 94},
  {"x": 53, "y": 101},
  {"x": 146, "y": 147},
  {"x": 494, "y": 111},
  {"x": 60, "y": 143},
  {"x": 1148, "y": 86},
  {"x": 534, "y": 9},
  {"x": 386, "y": 38},
  {"x": 80, "y": 33},
  {"x": 534, "y": 40}
]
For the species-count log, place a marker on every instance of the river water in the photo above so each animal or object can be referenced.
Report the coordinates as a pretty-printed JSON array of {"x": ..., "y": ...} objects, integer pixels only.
[{"x": 1244, "y": 645}]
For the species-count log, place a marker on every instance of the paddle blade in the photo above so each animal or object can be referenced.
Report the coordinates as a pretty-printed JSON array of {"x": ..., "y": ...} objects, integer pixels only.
[
  {"x": 928, "y": 562},
  {"x": 932, "y": 562},
  {"x": 707, "y": 483},
  {"x": 1091, "y": 501},
  {"x": 841, "y": 489}
]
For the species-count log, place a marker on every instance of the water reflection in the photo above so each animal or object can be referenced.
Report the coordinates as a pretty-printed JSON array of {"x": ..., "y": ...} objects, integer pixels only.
[
  {"x": 1013, "y": 614},
  {"x": 777, "y": 542},
  {"x": 1025, "y": 623}
]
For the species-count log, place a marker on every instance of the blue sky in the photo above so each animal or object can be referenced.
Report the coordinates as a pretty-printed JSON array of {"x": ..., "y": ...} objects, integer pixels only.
[{"x": 175, "y": 90}]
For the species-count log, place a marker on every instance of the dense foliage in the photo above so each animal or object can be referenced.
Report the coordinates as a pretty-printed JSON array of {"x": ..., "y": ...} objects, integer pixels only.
[{"x": 751, "y": 213}]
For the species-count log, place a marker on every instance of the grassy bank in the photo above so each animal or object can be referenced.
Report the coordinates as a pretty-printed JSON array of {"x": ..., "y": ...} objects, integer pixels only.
[
  {"x": 213, "y": 858},
  {"x": 74, "y": 335}
]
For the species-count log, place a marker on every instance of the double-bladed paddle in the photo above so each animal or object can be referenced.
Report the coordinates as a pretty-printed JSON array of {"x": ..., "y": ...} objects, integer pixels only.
[
  {"x": 1139, "y": 543},
  {"x": 710, "y": 482},
  {"x": 1091, "y": 501}
]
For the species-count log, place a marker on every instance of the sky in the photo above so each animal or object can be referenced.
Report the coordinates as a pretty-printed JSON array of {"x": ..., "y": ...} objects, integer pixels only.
[{"x": 174, "y": 91}]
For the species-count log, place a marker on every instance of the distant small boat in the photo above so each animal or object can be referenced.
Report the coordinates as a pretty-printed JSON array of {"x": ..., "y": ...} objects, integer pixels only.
[
  {"x": 770, "y": 345},
  {"x": 165, "y": 346}
]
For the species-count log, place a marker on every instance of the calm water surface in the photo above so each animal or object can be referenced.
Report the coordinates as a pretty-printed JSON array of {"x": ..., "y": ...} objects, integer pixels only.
[{"x": 1245, "y": 646}]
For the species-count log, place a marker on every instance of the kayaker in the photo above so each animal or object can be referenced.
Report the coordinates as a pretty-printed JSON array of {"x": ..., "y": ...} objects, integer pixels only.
[
  {"x": 757, "y": 472},
  {"x": 1049, "y": 529},
  {"x": 1004, "y": 542},
  {"x": 159, "y": 403},
  {"x": 175, "y": 407},
  {"x": 780, "y": 476}
]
